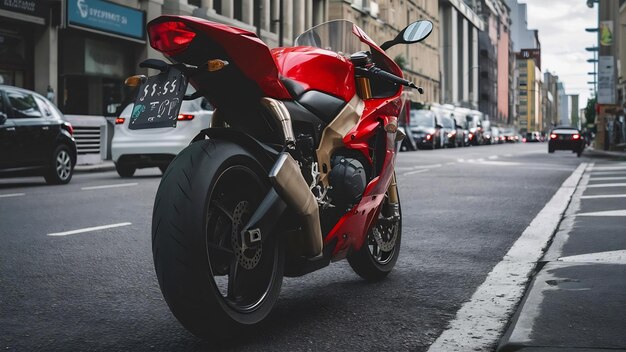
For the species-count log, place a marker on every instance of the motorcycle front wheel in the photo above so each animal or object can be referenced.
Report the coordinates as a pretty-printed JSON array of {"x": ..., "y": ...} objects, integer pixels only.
[
  {"x": 212, "y": 283},
  {"x": 379, "y": 254}
]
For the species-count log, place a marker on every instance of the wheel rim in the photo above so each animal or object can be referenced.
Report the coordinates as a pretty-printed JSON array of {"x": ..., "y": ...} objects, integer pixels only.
[
  {"x": 381, "y": 240},
  {"x": 243, "y": 277},
  {"x": 63, "y": 165}
]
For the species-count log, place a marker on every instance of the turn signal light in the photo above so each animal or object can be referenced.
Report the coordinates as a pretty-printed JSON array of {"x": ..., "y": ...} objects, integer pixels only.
[
  {"x": 170, "y": 38},
  {"x": 553, "y": 136},
  {"x": 119, "y": 120},
  {"x": 216, "y": 65},
  {"x": 185, "y": 117},
  {"x": 576, "y": 136},
  {"x": 135, "y": 81}
]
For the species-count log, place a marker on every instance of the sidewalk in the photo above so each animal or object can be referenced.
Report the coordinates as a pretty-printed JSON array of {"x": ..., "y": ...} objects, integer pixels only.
[
  {"x": 106, "y": 165},
  {"x": 577, "y": 299}
]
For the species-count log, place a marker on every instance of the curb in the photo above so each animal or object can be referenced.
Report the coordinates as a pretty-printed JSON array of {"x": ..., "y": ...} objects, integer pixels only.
[
  {"x": 605, "y": 153},
  {"x": 103, "y": 167}
]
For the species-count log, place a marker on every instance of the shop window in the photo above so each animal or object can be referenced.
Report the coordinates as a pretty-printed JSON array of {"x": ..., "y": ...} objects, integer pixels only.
[
  {"x": 238, "y": 10},
  {"x": 217, "y": 6}
]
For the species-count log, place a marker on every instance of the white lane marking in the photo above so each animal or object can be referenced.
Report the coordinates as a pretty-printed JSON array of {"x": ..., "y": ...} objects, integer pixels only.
[
  {"x": 604, "y": 213},
  {"x": 493, "y": 157},
  {"x": 480, "y": 322},
  {"x": 450, "y": 163},
  {"x": 610, "y": 257},
  {"x": 604, "y": 196},
  {"x": 500, "y": 163},
  {"x": 609, "y": 168},
  {"x": 11, "y": 195},
  {"x": 508, "y": 155},
  {"x": 460, "y": 160},
  {"x": 608, "y": 178},
  {"x": 414, "y": 172},
  {"x": 481, "y": 160},
  {"x": 600, "y": 185},
  {"x": 89, "y": 229},
  {"x": 602, "y": 173},
  {"x": 110, "y": 186}
]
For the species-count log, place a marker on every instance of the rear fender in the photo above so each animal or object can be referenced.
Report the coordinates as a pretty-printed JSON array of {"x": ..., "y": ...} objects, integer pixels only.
[{"x": 265, "y": 154}]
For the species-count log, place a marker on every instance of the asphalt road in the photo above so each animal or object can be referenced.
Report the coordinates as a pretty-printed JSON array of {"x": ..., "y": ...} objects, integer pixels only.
[{"x": 463, "y": 209}]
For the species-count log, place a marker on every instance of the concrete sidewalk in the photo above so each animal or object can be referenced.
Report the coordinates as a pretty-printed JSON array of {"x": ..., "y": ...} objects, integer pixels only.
[
  {"x": 106, "y": 165},
  {"x": 577, "y": 299}
]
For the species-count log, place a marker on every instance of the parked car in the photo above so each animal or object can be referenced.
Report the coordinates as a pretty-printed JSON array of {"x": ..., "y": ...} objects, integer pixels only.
[
  {"x": 34, "y": 139},
  {"x": 510, "y": 136},
  {"x": 566, "y": 138},
  {"x": 134, "y": 149},
  {"x": 448, "y": 130},
  {"x": 533, "y": 137},
  {"x": 423, "y": 126},
  {"x": 473, "y": 122}
]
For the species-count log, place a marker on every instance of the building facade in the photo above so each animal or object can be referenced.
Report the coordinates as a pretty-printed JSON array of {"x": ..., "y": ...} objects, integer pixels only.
[
  {"x": 563, "y": 107},
  {"x": 529, "y": 89},
  {"x": 495, "y": 82},
  {"x": 458, "y": 41},
  {"x": 550, "y": 100},
  {"x": 382, "y": 20}
]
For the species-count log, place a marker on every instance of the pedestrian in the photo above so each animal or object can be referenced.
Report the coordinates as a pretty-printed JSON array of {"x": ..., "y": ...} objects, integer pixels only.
[{"x": 50, "y": 94}]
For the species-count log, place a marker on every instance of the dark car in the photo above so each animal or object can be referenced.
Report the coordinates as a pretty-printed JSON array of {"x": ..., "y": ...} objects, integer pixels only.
[
  {"x": 566, "y": 138},
  {"x": 34, "y": 140},
  {"x": 426, "y": 132}
]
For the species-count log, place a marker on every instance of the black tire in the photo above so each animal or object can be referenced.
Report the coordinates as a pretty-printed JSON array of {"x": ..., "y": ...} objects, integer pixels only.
[
  {"x": 363, "y": 261},
  {"x": 61, "y": 166},
  {"x": 124, "y": 170},
  {"x": 207, "y": 193},
  {"x": 550, "y": 150},
  {"x": 579, "y": 153}
]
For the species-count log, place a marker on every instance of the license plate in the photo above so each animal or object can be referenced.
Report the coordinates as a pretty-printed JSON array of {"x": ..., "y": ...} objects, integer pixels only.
[
  {"x": 158, "y": 100},
  {"x": 561, "y": 137}
]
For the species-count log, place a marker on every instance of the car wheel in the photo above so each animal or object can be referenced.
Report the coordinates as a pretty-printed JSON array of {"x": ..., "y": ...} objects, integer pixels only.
[
  {"x": 61, "y": 168},
  {"x": 579, "y": 153},
  {"x": 124, "y": 170},
  {"x": 550, "y": 150}
]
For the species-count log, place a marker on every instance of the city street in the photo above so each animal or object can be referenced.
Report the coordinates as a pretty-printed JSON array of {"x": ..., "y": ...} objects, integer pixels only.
[{"x": 76, "y": 270}]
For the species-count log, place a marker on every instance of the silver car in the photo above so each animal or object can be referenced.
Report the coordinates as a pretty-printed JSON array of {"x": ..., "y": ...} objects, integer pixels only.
[{"x": 133, "y": 149}]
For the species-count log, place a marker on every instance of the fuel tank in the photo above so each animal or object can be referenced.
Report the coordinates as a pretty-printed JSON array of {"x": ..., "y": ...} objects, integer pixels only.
[{"x": 317, "y": 69}]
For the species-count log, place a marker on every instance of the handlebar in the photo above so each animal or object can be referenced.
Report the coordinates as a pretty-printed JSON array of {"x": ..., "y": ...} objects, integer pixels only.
[{"x": 373, "y": 71}]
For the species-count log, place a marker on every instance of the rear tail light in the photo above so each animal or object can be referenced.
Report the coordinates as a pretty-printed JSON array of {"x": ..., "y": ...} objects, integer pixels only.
[
  {"x": 471, "y": 136},
  {"x": 576, "y": 136},
  {"x": 119, "y": 120},
  {"x": 185, "y": 117},
  {"x": 428, "y": 136},
  {"x": 524, "y": 140},
  {"x": 69, "y": 128},
  {"x": 170, "y": 38},
  {"x": 553, "y": 136}
]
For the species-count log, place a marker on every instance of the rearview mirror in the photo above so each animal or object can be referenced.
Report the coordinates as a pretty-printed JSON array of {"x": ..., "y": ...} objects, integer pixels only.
[
  {"x": 438, "y": 126},
  {"x": 413, "y": 33}
]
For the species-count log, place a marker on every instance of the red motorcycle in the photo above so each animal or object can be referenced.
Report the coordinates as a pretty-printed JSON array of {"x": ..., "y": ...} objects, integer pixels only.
[{"x": 295, "y": 171}]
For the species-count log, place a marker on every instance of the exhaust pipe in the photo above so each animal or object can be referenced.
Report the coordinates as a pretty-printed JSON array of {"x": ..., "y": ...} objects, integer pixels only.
[{"x": 293, "y": 189}]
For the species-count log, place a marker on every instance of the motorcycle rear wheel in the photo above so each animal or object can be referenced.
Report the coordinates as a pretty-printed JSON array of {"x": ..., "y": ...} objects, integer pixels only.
[
  {"x": 375, "y": 259},
  {"x": 212, "y": 285}
]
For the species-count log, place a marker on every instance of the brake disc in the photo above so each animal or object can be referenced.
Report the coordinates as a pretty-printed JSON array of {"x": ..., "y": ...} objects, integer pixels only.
[
  {"x": 385, "y": 234},
  {"x": 248, "y": 258}
]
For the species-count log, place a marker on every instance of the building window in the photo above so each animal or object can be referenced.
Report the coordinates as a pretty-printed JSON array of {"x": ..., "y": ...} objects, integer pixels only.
[
  {"x": 238, "y": 10},
  {"x": 217, "y": 6}
]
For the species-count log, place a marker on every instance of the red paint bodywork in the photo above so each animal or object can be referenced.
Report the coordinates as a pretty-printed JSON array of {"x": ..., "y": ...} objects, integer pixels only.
[
  {"x": 326, "y": 71},
  {"x": 250, "y": 54},
  {"x": 317, "y": 69}
]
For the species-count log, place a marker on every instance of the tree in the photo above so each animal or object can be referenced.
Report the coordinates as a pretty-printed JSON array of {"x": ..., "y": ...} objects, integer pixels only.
[{"x": 590, "y": 111}]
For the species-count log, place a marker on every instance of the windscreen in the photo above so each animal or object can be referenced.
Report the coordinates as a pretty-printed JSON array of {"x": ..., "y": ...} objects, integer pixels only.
[{"x": 337, "y": 36}]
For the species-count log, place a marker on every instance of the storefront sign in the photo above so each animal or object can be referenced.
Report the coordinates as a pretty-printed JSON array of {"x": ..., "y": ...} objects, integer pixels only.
[
  {"x": 36, "y": 8},
  {"x": 103, "y": 16},
  {"x": 606, "y": 80}
]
